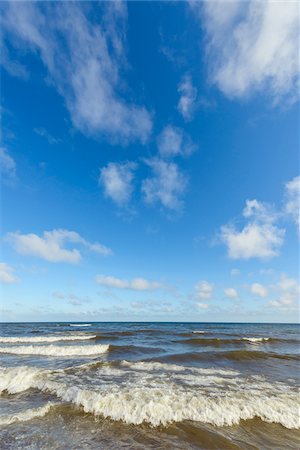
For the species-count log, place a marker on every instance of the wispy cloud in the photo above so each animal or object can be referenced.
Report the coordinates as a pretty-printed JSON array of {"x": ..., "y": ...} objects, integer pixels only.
[
  {"x": 231, "y": 293},
  {"x": 6, "y": 274},
  {"x": 136, "y": 284},
  {"x": 117, "y": 181},
  {"x": 188, "y": 95},
  {"x": 204, "y": 290},
  {"x": 292, "y": 206},
  {"x": 51, "y": 245},
  {"x": 7, "y": 167},
  {"x": 259, "y": 290},
  {"x": 84, "y": 58},
  {"x": 166, "y": 186},
  {"x": 261, "y": 49},
  {"x": 173, "y": 141},
  {"x": 44, "y": 133}
]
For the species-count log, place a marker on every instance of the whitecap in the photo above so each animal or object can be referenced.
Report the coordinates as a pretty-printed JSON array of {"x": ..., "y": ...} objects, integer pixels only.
[
  {"x": 56, "y": 350},
  {"x": 26, "y": 415},
  {"x": 57, "y": 338}
]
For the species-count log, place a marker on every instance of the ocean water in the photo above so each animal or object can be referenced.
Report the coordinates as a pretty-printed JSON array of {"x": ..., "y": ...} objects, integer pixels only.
[{"x": 149, "y": 386}]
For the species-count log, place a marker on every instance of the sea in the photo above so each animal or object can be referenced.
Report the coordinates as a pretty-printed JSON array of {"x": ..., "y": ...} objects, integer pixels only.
[{"x": 149, "y": 386}]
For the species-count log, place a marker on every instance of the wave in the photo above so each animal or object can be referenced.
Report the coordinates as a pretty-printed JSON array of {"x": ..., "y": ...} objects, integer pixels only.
[
  {"x": 24, "y": 416},
  {"x": 217, "y": 342},
  {"x": 57, "y": 338},
  {"x": 80, "y": 325},
  {"x": 56, "y": 350},
  {"x": 146, "y": 398},
  {"x": 255, "y": 340},
  {"x": 234, "y": 355}
]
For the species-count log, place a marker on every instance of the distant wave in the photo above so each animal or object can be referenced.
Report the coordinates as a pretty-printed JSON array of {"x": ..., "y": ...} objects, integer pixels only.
[
  {"x": 147, "y": 398},
  {"x": 80, "y": 325},
  {"x": 75, "y": 337},
  {"x": 234, "y": 355},
  {"x": 217, "y": 342},
  {"x": 255, "y": 340},
  {"x": 26, "y": 415},
  {"x": 56, "y": 350}
]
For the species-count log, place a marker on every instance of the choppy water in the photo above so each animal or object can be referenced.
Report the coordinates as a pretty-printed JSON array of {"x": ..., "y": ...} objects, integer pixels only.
[{"x": 149, "y": 386}]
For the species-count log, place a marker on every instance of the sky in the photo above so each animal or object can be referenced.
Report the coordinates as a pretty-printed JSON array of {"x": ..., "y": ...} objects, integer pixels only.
[{"x": 150, "y": 161}]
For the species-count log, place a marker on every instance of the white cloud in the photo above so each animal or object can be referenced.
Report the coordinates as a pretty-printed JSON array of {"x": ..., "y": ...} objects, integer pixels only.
[
  {"x": 292, "y": 206},
  {"x": 117, "y": 180},
  {"x": 259, "y": 290},
  {"x": 201, "y": 305},
  {"x": 6, "y": 274},
  {"x": 288, "y": 293},
  {"x": 173, "y": 141},
  {"x": 188, "y": 95},
  {"x": 166, "y": 186},
  {"x": 136, "y": 284},
  {"x": 261, "y": 49},
  {"x": 234, "y": 272},
  {"x": 73, "y": 299},
  {"x": 84, "y": 57},
  {"x": 7, "y": 167},
  {"x": 204, "y": 290},
  {"x": 259, "y": 238},
  {"x": 231, "y": 293},
  {"x": 51, "y": 246}
]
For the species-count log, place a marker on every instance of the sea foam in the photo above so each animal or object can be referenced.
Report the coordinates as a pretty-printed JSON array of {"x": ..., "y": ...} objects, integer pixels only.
[
  {"x": 186, "y": 395},
  {"x": 34, "y": 339},
  {"x": 26, "y": 415},
  {"x": 56, "y": 350}
]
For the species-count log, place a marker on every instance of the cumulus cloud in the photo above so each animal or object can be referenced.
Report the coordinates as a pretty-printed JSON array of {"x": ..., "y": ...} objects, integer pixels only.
[
  {"x": 261, "y": 49},
  {"x": 173, "y": 141},
  {"x": 259, "y": 290},
  {"x": 188, "y": 95},
  {"x": 117, "y": 181},
  {"x": 166, "y": 186},
  {"x": 136, "y": 284},
  {"x": 51, "y": 245},
  {"x": 204, "y": 290},
  {"x": 6, "y": 274},
  {"x": 7, "y": 167},
  {"x": 83, "y": 56},
  {"x": 259, "y": 238},
  {"x": 231, "y": 293},
  {"x": 292, "y": 206},
  {"x": 288, "y": 293}
]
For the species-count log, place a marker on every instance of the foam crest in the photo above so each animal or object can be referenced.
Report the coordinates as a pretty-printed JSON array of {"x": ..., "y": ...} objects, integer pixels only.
[
  {"x": 24, "y": 416},
  {"x": 19, "y": 379},
  {"x": 57, "y": 350},
  {"x": 255, "y": 340},
  {"x": 34, "y": 339},
  {"x": 80, "y": 325}
]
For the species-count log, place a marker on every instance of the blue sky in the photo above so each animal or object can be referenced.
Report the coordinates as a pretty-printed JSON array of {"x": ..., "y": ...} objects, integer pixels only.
[{"x": 150, "y": 167}]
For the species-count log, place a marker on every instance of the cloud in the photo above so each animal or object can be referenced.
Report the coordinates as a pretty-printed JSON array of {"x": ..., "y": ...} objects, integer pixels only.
[
  {"x": 231, "y": 293},
  {"x": 261, "y": 49},
  {"x": 165, "y": 186},
  {"x": 173, "y": 141},
  {"x": 117, "y": 181},
  {"x": 188, "y": 95},
  {"x": 44, "y": 133},
  {"x": 73, "y": 299},
  {"x": 234, "y": 272},
  {"x": 259, "y": 290},
  {"x": 201, "y": 305},
  {"x": 204, "y": 290},
  {"x": 51, "y": 246},
  {"x": 292, "y": 206},
  {"x": 84, "y": 55},
  {"x": 136, "y": 284},
  {"x": 7, "y": 167},
  {"x": 288, "y": 293},
  {"x": 259, "y": 238},
  {"x": 6, "y": 274}
]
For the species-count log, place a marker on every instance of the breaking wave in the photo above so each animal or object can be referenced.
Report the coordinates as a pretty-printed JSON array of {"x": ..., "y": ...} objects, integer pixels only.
[
  {"x": 56, "y": 350},
  {"x": 80, "y": 325},
  {"x": 24, "y": 416},
  {"x": 220, "y": 398},
  {"x": 57, "y": 338}
]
